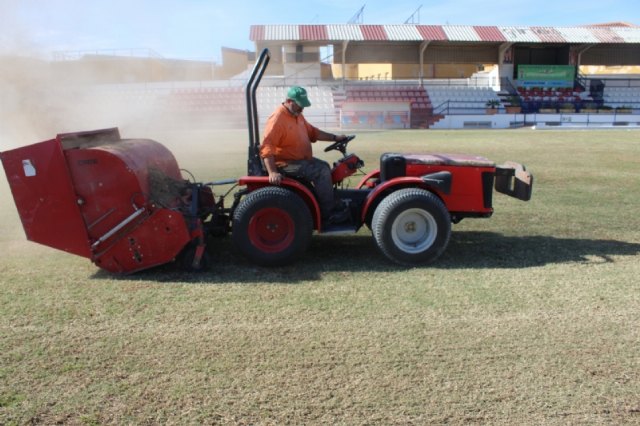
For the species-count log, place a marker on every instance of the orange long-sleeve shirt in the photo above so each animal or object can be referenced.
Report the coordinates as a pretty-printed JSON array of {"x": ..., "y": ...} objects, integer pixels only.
[{"x": 287, "y": 137}]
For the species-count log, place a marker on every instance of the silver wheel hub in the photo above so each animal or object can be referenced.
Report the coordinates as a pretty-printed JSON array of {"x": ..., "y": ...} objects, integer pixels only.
[{"x": 414, "y": 230}]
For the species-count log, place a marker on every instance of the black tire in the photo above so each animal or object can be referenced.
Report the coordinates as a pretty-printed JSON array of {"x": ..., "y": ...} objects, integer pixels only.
[
  {"x": 272, "y": 226},
  {"x": 411, "y": 226}
]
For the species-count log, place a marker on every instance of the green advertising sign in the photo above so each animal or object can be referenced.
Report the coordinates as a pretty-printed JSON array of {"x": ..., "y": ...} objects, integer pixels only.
[{"x": 546, "y": 75}]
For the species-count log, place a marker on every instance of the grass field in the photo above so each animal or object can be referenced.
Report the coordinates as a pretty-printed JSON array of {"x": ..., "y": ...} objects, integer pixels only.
[{"x": 530, "y": 317}]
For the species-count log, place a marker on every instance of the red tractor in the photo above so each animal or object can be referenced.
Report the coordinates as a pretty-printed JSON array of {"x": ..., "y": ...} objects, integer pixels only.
[
  {"x": 123, "y": 203},
  {"x": 408, "y": 203}
]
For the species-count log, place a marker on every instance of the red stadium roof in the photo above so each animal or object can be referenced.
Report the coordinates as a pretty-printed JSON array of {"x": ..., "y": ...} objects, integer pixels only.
[{"x": 594, "y": 34}]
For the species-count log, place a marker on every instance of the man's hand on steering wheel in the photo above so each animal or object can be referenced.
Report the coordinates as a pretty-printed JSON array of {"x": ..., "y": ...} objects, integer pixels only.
[{"x": 340, "y": 143}]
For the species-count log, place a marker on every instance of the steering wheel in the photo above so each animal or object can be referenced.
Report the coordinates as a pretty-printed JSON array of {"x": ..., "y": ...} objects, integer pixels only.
[{"x": 341, "y": 145}]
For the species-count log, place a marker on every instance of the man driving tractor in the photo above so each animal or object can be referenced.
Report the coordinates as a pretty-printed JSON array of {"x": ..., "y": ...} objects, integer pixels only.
[{"x": 286, "y": 150}]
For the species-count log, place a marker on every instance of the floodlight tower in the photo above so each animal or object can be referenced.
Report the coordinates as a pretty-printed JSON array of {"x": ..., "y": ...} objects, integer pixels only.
[
  {"x": 415, "y": 17},
  {"x": 358, "y": 17}
]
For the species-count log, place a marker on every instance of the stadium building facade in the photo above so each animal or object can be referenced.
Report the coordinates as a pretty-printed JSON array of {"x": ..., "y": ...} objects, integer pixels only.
[
  {"x": 389, "y": 76},
  {"x": 444, "y": 70}
]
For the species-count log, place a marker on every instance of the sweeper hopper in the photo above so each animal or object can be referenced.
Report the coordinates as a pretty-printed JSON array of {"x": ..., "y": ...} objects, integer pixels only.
[{"x": 115, "y": 201}]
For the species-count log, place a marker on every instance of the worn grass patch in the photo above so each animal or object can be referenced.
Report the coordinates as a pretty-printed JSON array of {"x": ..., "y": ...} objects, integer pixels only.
[{"x": 529, "y": 317}]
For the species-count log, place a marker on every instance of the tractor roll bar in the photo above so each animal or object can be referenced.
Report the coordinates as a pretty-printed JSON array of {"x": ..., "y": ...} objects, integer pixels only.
[{"x": 254, "y": 163}]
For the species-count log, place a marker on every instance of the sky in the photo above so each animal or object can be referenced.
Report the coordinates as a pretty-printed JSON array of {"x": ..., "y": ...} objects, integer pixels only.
[{"x": 197, "y": 29}]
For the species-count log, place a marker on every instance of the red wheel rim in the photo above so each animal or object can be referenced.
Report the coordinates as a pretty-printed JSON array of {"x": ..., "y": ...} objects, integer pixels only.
[{"x": 271, "y": 230}]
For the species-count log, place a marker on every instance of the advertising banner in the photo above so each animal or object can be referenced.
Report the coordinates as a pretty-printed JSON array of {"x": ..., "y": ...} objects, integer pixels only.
[{"x": 546, "y": 75}]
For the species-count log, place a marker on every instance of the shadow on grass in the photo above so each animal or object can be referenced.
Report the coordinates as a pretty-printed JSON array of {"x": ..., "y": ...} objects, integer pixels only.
[
  {"x": 494, "y": 250},
  {"x": 358, "y": 253}
]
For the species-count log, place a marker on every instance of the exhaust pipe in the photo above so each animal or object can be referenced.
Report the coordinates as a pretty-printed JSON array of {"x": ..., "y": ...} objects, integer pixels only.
[{"x": 254, "y": 163}]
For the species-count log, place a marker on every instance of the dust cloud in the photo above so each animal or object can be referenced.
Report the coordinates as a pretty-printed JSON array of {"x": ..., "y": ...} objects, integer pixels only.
[
  {"x": 41, "y": 98},
  {"x": 42, "y": 94}
]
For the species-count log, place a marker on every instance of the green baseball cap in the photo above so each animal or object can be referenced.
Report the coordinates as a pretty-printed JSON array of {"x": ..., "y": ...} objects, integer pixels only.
[{"x": 299, "y": 96}]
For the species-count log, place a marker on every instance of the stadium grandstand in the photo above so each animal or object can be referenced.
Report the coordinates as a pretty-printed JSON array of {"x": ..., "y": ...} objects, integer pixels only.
[{"x": 400, "y": 76}]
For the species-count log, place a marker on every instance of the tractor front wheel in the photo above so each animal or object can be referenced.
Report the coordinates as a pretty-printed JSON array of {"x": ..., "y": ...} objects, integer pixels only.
[
  {"x": 272, "y": 226},
  {"x": 411, "y": 226}
]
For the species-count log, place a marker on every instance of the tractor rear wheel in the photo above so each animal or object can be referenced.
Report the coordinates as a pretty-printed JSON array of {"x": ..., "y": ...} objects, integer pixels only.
[
  {"x": 272, "y": 226},
  {"x": 411, "y": 226}
]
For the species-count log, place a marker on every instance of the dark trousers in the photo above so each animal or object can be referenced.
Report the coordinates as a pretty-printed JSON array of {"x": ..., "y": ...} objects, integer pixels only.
[{"x": 318, "y": 173}]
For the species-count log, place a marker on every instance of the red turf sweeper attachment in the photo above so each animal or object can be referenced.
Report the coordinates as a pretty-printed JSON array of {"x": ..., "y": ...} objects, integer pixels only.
[{"x": 115, "y": 201}]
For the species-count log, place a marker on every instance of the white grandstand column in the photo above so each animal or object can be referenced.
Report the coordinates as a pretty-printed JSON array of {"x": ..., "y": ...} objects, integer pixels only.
[
  {"x": 345, "y": 43},
  {"x": 505, "y": 68},
  {"x": 502, "y": 50},
  {"x": 423, "y": 47}
]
